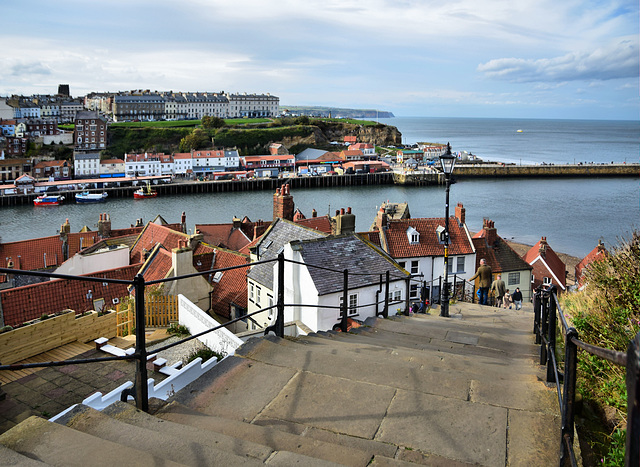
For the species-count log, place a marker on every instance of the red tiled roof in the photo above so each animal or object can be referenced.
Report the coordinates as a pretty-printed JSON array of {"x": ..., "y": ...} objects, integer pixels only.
[
  {"x": 151, "y": 235},
  {"x": 500, "y": 256},
  {"x": 547, "y": 265},
  {"x": 29, "y": 255},
  {"x": 597, "y": 254},
  {"x": 224, "y": 235},
  {"x": 429, "y": 243},
  {"x": 350, "y": 139},
  {"x": 232, "y": 286},
  {"x": 322, "y": 224},
  {"x": 80, "y": 240},
  {"x": 22, "y": 304},
  {"x": 158, "y": 265},
  {"x": 372, "y": 237}
]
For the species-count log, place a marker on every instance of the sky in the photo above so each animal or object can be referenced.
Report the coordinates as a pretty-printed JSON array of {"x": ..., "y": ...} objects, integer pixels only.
[{"x": 459, "y": 58}]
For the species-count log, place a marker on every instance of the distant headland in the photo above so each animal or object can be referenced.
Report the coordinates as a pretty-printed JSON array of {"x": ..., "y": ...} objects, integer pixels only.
[{"x": 336, "y": 112}]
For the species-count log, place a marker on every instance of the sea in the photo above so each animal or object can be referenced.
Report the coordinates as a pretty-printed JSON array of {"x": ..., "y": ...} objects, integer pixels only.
[{"x": 572, "y": 213}]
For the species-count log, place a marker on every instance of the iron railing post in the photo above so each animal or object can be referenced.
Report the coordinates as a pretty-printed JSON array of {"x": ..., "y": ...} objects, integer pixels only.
[
  {"x": 408, "y": 298},
  {"x": 345, "y": 304},
  {"x": 141, "y": 389},
  {"x": 454, "y": 292},
  {"x": 569, "y": 394},
  {"x": 632, "y": 455},
  {"x": 544, "y": 327},
  {"x": 551, "y": 334},
  {"x": 280, "y": 318},
  {"x": 385, "y": 312},
  {"x": 537, "y": 312},
  {"x": 440, "y": 289}
]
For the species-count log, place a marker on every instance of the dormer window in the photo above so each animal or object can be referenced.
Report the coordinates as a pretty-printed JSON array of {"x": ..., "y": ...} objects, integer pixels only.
[{"x": 413, "y": 236}]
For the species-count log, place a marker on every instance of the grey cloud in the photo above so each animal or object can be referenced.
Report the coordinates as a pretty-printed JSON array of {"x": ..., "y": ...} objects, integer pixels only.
[
  {"x": 620, "y": 60},
  {"x": 34, "y": 68}
]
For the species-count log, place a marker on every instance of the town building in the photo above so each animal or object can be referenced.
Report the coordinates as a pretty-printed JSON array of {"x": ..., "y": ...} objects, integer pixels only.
[
  {"x": 90, "y": 131},
  {"x": 138, "y": 107},
  {"x": 86, "y": 164},
  {"x": 110, "y": 168},
  {"x": 597, "y": 254},
  {"x": 143, "y": 165},
  {"x": 268, "y": 165},
  {"x": 11, "y": 169},
  {"x": 53, "y": 170},
  {"x": 548, "y": 268},
  {"x": 69, "y": 110},
  {"x": 417, "y": 246},
  {"x": 502, "y": 259}
]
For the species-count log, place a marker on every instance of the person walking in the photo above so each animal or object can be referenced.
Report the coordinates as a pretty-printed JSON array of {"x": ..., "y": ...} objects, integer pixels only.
[
  {"x": 484, "y": 274},
  {"x": 507, "y": 302},
  {"x": 517, "y": 298},
  {"x": 498, "y": 289}
]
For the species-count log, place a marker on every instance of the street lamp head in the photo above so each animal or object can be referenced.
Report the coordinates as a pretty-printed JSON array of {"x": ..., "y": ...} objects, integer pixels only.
[{"x": 448, "y": 161}]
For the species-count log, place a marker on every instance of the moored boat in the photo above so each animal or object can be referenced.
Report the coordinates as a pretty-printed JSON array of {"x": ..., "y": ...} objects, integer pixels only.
[
  {"x": 87, "y": 197},
  {"x": 145, "y": 192},
  {"x": 48, "y": 200}
]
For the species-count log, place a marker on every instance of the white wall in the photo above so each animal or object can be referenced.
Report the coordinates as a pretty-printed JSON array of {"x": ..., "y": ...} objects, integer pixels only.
[
  {"x": 100, "y": 261},
  {"x": 196, "y": 320}
]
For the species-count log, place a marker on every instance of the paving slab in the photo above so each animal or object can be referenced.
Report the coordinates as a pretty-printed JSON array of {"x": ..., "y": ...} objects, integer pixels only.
[
  {"x": 335, "y": 404},
  {"x": 451, "y": 428},
  {"x": 236, "y": 388}
]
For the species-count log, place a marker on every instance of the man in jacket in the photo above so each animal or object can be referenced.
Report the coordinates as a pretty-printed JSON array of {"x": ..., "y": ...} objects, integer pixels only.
[
  {"x": 484, "y": 273},
  {"x": 498, "y": 288},
  {"x": 517, "y": 298}
]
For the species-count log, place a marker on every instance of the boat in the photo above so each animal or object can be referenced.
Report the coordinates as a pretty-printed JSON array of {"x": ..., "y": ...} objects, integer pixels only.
[
  {"x": 145, "y": 192},
  {"x": 518, "y": 131},
  {"x": 48, "y": 200},
  {"x": 87, "y": 197}
]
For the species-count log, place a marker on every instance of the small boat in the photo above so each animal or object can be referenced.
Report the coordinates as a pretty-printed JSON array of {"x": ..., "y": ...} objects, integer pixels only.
[
  {"x": 87, "y": 197},
  {"x": 145, "y": 192},
  {"x": 48, "y": 200},
  {"x": 518, "y": 131}
]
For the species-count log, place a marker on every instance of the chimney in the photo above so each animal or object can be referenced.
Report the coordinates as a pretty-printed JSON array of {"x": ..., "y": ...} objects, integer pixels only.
[
  {"x": 460, "y": 213},
  {"x": 65, "y": 230},
  {"x": 283, "y": 205},
  {"x": 104, "y": 225},
  {"x": 236, "y": 223},
  {"x": 381, "y": 219},
  {"x": 314, "y": 213},
  {"x": 490, "y": 233},
  {"x": 543, "y": 247},
  {"x": 601, "y": 248},
  {"x": 343, "y": 222},
  {"x": 183, "y": 222}
]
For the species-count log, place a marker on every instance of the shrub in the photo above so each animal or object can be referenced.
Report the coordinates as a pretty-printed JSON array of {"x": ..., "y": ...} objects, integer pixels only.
[
  {"x": 178, "y": 330},
  {"x": 205, "y": 353}
]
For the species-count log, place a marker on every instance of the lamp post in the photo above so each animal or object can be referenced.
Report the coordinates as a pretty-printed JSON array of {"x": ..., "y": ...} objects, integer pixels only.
[{"x": 448, "y": 162}]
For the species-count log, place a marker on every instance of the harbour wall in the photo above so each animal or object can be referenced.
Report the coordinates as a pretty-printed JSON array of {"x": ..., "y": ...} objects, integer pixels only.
[{"x": 416, "y": 178}]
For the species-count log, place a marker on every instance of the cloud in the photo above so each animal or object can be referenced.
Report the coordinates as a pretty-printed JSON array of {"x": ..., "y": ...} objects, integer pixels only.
[{"x": 617, "y": 61}]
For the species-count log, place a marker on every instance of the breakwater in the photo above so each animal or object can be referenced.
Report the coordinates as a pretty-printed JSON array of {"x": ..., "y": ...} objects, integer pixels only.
[{"x": 555, "y": 170}]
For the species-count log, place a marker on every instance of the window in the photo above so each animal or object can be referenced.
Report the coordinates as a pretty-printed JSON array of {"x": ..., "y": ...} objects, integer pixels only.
[
  {"x": 402, "y": 264},
  {"x": 514, "y": 278},
  {"x": 353, "y": 305},
  {"x": 413, "y": 292},
  {"x": 258, "y": 290},
  {"x": 251, "y": 291},
  {"x": 450, "y": 266},
  {"x": 414, "y": 267},
  {"x": 460, "y": 267},
  {"x": 271, "y": 311},
  {"x": 546, "y": 281}
]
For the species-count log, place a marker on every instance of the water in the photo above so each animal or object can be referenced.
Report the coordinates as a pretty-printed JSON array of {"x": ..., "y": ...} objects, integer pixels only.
[{"x": 572, "y": 213}]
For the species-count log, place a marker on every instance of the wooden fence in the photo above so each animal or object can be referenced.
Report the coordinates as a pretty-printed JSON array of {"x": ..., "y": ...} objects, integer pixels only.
[{"x": 160, "y": 311}]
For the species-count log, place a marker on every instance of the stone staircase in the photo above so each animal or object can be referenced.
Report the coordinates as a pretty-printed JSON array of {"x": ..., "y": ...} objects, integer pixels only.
[{"x": 424, "y": 390}]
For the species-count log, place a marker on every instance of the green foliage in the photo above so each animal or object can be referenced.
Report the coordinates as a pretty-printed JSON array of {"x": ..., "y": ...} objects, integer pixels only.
[
  {"x": 212, "y": 122},
  {"x": 606, "y": 314},
  {"x": 198, "y": 139},
  {"x": 44, "y": 316},
  {"x": 128, "y": 140},
  {"x": 257, "y": 140},
  {"x": 178, "y": 330},
  {"x": 205, "y": 353},
  {"x": 615, "y": 455}
]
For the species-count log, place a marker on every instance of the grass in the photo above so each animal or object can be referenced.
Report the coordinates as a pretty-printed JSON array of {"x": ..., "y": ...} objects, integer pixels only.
[
  {"x": 352, "y": 121},
  {"x": 606, "y": 313}
]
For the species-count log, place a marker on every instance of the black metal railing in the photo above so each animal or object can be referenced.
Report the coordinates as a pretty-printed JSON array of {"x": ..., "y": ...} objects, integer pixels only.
[
  {"x": 546, "y": 311},
  {"x": 139, "y": 391}
]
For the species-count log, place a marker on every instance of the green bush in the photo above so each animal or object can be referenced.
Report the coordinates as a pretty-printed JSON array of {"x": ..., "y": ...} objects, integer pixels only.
[
  {"x": 205, "y": 353},
  {"x": 178, "y": 330}
]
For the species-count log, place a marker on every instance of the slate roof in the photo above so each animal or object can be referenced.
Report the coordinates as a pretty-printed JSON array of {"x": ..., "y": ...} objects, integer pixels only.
[
  {"x": 271, "y": 243},
  {"x": 349, "y": 252},
  {"x": 25, "y": 303},
  {"x": 429, "y": 242},
  {"x": 500, "y": 256},
  {"x": 309, "y": 154}
]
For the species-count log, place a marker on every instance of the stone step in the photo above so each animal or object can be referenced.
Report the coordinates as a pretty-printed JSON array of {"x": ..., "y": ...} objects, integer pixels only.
[
  {"x": 368, "y": 350},
  {"x": 170, "y": 441},
  {"x": 59, "y": 445},
  {"x": 187, "y": 449},
  {"x": 277, "y": 438},
  {"x": 9, "y": 457}
]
